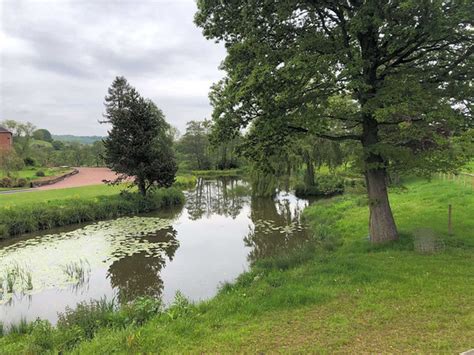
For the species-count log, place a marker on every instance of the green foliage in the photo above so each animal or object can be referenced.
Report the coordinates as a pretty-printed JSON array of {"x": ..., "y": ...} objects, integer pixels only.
[
  {"x": 38, "y": 147},
  {"x": 43, "y": 135},
  {"x": 141, "y": 310},
  {"x": 185, "y": 182},
  {"x": 86, "y": 140},
  {"x": 16, "y": 220},
  {"x": 393, "y": 77},
  {"x": 325, "y": 185},
  {"x": 89, "y": 317},
  {"x": 10, "y": 162},
  {"x": 29, "y": 161},
  {"x": 197, "y": 150},
  {"x": 23, "y": 327},
  {"x": 139, "y": 143},
  {"x": 40, "y": 173},
  {"x": 217, "y": 173},
  {"x": 41, "y": 334}
]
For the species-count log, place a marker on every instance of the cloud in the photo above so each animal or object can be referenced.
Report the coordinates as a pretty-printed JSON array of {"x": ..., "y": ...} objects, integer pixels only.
[{"x": 59, "y": 57}]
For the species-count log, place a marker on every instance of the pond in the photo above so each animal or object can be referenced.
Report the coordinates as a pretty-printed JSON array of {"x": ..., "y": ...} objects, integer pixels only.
[{"x": 216, "y": 236}]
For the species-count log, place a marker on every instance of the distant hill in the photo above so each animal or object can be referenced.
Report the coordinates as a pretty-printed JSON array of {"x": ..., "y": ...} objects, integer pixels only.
[{"x": 78, "y": 139}]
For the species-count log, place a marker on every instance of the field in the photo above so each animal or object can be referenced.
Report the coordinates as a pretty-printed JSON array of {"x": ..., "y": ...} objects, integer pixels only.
[{"x": 340, "y": 294}]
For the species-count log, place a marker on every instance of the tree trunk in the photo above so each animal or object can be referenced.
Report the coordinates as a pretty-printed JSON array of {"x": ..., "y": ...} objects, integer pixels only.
[
  {"x": 382, "y": 226},
  {"x": 142, "y": 188},
  {"x": 309, "y": 175}
]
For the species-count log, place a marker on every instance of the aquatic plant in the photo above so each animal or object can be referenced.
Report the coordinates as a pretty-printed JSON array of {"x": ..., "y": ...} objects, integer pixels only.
[
  {"x": 15, "y": 278},
  {"x": 77, "y": 271},
  {"x": 110, "y": 241}
]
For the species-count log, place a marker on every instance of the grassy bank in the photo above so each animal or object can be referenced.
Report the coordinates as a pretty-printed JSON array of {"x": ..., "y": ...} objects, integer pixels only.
[
  {"x": 339, "y": 294},
  {"x": 83, "y": 192},
  {"x": 26, "y": 218},
  {"x": 217, "y": 173},
  {"x": 33, "y": 211}
]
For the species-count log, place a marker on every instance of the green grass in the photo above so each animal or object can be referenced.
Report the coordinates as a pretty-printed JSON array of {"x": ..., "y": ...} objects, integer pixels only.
[
  {"x": 340, "y": 294},
  {"x": 185, "y": 182},
  {"x": 74, "y": 193},
  {"x": 31, "y": 211},
  {"x": 217, "y": 173},
  {"x": 36, "y": 216},
  {"x": 469, "y": 167},
  {"x": 48, "y": 196},
  {"x": 30, "y": 173}
]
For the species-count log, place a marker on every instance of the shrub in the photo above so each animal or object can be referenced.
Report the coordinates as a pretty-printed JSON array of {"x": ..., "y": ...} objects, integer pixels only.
[
  {"x": 141, "y": 310},
  {"x": 83, "y": 322},
  {"x": 40, "y": 173},
  {"x": 29, "y": 161},
  {"x": 326, "y": 185},
  {"x": 42, "y": 335},
  {"x": 21, "y": 182},
  {"x": 89, "y": 317},
  {"x": 6, "y": 182}
]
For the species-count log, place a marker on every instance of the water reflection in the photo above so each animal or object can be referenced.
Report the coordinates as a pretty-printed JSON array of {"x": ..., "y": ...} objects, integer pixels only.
[
  {"x": 277, "y": 226},
  {"x": 218, "y": 234},
  {"x": 139, "y": 274},
  {"x": 221, "y": 197}
]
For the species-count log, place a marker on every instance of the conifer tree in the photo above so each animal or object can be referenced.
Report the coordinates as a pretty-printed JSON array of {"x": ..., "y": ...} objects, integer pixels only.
[{"x": 139, "y": 144}]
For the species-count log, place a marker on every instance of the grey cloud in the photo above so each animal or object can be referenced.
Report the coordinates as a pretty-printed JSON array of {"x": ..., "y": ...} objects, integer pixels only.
[{"x": 59, "y": 60}]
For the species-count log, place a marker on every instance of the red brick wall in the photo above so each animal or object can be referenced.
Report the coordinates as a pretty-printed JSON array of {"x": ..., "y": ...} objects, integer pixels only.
[{"x": 5, "y": 140}]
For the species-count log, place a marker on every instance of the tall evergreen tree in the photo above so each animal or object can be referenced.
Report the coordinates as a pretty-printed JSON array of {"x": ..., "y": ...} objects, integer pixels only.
[
  {"x": 405, "y": 65},
  {"x": 139, "y": 144}
]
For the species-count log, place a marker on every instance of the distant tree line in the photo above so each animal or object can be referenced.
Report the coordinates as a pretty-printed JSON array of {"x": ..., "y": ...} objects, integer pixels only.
[
  {"x": 197, "y": 150},
  {"x": 36, "y": 147}
]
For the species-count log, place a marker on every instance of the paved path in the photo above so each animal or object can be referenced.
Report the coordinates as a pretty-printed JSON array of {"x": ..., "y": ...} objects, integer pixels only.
[{"x": 85, "y": 177}]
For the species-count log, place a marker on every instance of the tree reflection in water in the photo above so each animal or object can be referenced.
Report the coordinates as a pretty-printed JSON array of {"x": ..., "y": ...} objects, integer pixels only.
[
  {"x": 216, "y": 197},
  {"x": 138, "y": 274},
  {"x": 276, "y": 228}
]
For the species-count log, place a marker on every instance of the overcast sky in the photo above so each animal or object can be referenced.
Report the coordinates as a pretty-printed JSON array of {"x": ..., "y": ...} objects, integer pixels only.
[{"x": 58, "y": 58}]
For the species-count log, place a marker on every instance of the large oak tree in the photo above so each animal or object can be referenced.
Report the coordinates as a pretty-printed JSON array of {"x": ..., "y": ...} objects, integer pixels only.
[{"x": 394, "y": 75}]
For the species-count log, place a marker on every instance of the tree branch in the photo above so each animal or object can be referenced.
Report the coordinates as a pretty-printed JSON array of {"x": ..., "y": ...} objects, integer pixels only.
[{"x": 326, "y": 136}]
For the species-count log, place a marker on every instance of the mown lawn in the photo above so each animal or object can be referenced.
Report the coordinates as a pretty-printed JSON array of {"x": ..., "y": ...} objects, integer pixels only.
[
  {"x": 340, "y": 294},
  {"x": 83, "y": 192}
]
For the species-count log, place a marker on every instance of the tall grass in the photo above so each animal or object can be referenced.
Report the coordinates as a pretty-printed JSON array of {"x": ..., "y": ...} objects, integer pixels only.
[
  {"x": 16, "y": 220},
  {"x": 82, "y": 323},
  {"x": 78, "y": 271},
  {"x": 15, "y": 277},
  {"x": 185, "y": 182}
]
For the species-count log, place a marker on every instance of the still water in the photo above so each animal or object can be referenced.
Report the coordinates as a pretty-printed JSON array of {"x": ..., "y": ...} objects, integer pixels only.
[{"x": 216, "y": 236}]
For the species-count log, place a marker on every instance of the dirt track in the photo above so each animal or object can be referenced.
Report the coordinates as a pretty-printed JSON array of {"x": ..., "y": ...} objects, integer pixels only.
[{"x": 85, "y": 177}]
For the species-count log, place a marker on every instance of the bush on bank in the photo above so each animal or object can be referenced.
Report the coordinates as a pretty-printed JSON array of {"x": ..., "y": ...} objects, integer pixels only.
[
  {"x": 325, "y": 186},
  {"x": 16, "y": 220}
]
